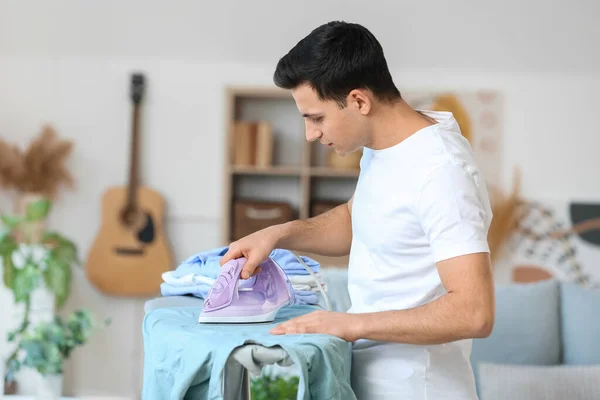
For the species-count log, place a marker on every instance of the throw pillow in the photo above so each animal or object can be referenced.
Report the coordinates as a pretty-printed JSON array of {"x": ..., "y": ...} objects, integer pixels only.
[
  {"x": 580, "y": 324},
  {"x": 527, "y": 327}
]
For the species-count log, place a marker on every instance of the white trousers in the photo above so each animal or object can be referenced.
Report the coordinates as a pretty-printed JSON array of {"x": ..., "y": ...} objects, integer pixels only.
[{"x": 382, "y": 371}]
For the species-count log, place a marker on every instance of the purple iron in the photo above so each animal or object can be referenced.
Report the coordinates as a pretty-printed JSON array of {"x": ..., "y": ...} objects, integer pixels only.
[{"x": 257, "y": 299}]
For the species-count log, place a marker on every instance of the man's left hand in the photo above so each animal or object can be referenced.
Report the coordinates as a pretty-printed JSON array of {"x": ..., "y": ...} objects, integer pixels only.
[{"x": 342, "y": 325}]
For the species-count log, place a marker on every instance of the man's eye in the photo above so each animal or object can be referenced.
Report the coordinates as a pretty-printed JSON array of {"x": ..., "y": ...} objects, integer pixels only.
[{"x": 316, "y": 120}]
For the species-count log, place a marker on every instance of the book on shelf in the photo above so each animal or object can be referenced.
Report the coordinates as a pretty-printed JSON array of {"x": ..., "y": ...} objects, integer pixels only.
[{"x": 253, "y": 144}]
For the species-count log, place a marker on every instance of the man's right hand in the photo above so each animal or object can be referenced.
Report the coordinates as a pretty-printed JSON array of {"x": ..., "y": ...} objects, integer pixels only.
[
  {"x": 328, "y": 234},
  {"x": 255, "y": 247}
]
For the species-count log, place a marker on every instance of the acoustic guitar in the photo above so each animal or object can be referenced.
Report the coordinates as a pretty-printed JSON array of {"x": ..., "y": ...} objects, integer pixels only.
[{"x": 131, "y": 251}]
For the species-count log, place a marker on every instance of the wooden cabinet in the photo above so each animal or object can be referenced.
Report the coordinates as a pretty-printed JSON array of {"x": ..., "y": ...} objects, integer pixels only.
[{"x": 269, "y": 162}]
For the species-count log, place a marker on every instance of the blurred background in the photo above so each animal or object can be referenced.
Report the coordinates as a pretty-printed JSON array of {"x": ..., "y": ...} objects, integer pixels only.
[{"x": 522, "y": 78}]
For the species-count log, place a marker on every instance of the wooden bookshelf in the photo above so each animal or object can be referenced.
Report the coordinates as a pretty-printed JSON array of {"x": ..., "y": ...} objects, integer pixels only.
[{"x": 298, "y": 173}]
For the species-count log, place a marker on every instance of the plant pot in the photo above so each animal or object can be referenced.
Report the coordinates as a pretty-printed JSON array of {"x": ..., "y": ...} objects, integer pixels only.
[
  {"x": 10, "y": 387},
  {"x": 49, "y": 387}
]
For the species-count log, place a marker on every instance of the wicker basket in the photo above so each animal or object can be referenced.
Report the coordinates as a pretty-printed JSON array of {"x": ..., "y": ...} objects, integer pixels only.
[{"x": 252, "y": 216}]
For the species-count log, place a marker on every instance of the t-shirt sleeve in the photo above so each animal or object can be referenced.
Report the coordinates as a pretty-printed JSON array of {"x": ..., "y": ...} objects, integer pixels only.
[{"x": 454, "y": 216}]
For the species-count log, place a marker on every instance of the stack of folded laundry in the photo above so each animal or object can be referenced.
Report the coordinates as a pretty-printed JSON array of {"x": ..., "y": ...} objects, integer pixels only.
[{"x": 196, "y": 275}]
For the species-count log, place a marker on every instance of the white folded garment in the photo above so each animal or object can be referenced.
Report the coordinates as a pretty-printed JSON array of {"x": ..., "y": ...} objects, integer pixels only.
[
  {"x": 315, "y": 288},
  {"x": 305, "y": 279},
  {"x": 186, "y": 280}
]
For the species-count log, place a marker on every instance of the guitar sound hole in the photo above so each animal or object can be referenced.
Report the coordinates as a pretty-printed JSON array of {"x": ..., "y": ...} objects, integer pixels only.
[{"x": 131, "y": 217}]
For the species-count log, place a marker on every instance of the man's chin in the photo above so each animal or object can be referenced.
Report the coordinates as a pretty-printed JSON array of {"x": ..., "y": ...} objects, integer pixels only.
[{"x": 340, "y": 153}]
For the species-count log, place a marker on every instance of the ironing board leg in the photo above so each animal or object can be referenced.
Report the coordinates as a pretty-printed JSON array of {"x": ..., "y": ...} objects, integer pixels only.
[
  {"x": 246, "y": 388},
  {"x": 235, "y": 381}
]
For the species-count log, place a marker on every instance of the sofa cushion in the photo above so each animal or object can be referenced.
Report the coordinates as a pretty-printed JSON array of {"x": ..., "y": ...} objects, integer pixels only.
[
  {"x": 526, "y": 329},
  {"x": 580, "y": 324},
  {"x": 525, "y": 382},
  {"x": 527, "y": 326}
]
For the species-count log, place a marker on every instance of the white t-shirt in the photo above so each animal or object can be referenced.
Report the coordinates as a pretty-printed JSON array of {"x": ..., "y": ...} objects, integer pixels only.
[{"x": 416, "y": 203}]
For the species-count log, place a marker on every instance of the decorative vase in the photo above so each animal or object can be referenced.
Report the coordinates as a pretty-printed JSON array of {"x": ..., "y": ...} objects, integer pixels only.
[
  {"x": 34, "y": 230},
  {"x": 49, "y": 387}
]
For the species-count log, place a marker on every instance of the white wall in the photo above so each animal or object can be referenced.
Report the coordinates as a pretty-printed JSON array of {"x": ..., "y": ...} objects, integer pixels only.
[{"x": 67, "y": 63}]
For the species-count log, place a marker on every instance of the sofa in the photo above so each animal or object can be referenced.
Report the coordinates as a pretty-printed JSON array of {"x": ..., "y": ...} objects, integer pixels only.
[{"x": 545, "y": 343}]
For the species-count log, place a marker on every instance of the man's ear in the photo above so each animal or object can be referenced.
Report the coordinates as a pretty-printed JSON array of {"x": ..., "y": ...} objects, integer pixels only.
[{"x": 360, "y": 100}]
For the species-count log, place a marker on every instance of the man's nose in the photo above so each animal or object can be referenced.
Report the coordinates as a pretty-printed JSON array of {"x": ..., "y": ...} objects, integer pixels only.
[{"x": 313, "y": 134}]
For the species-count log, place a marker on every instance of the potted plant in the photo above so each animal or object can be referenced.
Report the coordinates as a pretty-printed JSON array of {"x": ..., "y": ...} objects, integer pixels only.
[
  {"x": 46, "y": 347},
  {"x": 29, "y": 265},
  {"x": 37, "y": 263},
  {"x": 270, "y": 387}
]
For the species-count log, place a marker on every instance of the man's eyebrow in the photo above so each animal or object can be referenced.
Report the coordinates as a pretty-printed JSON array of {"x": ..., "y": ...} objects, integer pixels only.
[{"x": 310, "y": 115}]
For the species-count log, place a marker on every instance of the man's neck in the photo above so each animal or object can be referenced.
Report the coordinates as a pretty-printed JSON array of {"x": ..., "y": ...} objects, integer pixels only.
[{"x": 394, "y": 123}]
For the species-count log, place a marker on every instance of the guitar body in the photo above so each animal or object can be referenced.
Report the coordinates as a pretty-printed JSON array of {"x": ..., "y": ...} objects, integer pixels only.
[
  {"x": 128, "y": 259},
  {"x": 131, "y": 252}
]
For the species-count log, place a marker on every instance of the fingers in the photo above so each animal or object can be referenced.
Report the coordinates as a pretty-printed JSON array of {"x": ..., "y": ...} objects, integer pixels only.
[
  {"x": 251, "y": 267},
  {"x": 294, "y": 325},
  {"x": 309, "y": 323},
  {"x": 278, "y": 330},
  {"x": 297, "y": 328},
  {"x": 231, "y": 254}
]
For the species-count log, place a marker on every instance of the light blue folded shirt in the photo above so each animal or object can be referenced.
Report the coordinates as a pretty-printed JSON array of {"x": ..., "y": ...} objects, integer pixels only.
[
  {"x": 207, "y": 263},
  {"x": 183, "y": 357}
]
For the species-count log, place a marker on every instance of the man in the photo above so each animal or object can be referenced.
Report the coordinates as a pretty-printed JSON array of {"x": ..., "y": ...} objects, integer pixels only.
[{"x": 419, "y": 274}]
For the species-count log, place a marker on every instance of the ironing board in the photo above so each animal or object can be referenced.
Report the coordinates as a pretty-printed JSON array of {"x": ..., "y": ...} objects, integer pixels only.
[
  {"x": 251, "y": 358},
  {"x": 246, "y": 359}
]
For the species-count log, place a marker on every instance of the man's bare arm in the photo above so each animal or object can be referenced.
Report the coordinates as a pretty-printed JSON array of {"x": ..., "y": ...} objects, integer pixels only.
[
  {"x": 328, "y": 234},
  {"x": 466, "y": 311}
]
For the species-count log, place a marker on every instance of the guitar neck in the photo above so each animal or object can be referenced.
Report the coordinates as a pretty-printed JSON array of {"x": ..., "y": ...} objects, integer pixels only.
[{"x": 137, "y": 91}]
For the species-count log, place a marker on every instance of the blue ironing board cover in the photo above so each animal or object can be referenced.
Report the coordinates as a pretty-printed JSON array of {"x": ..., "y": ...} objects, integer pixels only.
[{"x": 185, "y": 359}]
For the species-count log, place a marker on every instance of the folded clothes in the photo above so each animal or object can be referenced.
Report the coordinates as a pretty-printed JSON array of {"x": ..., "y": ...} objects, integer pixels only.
[
  {"x": 196, "y": 275},
  {"x": 169, "y": 289},
  {"x": 207, "y": 263},
  {"x": 308, "y": 288},
  {"x": 305, "y": 279},
  {"x": 307, "y": 297}
]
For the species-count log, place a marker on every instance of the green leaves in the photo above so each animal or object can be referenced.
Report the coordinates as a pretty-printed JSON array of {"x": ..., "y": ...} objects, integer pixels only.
[
  {"x": 37, "y": 210},
  {"x": 28, "y": 262},
  {"x": 57, "y": 277},
  {"x": 58, "y": 273},
  {"x": 63, "y": 249},
  {"x": 7, "y": 244},
  {"x": 11, "y": 221},
  {"x": 25, "y": 281},
  {"x": 55, "y": 267},
  {"x": 268, "y": 387},
  {"x": 48, "y": 345},
  {"x": 8, "y": 271}
]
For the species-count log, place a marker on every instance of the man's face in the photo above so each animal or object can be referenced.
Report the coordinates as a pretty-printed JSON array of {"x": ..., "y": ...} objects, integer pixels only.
[{"x": 343, "y": 130}]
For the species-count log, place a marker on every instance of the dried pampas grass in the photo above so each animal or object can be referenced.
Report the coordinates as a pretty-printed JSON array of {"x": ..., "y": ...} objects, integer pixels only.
[
  {"x": 40, "y": 168},
  {"x": 505, "y": 209}
]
